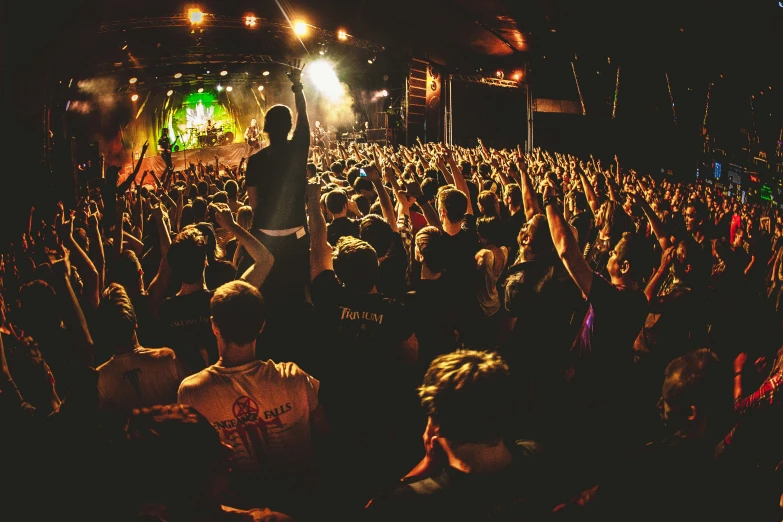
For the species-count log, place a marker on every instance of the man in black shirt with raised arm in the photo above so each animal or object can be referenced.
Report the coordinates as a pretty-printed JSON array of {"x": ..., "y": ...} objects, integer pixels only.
[{"x": 276, "y": 178}]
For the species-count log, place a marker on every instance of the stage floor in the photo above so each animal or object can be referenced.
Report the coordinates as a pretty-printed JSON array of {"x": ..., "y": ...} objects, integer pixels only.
[{"x": 230, "y": 155}]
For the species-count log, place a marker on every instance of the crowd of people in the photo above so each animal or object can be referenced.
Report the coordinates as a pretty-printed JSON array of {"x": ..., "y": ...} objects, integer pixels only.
[{"x": 380, "y": 332}]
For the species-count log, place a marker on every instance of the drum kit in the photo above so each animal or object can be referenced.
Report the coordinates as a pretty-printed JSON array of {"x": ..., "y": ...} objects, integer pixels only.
[{"x": 201, "y": 136}]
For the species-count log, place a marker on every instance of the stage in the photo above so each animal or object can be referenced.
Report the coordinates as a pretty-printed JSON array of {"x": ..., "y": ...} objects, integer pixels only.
[{"x": 230, "y": 155}]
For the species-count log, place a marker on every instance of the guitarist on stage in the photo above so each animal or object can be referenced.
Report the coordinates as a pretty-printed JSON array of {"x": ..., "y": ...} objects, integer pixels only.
[
  {"x": 164, "y": 148},
  {"x": 252, "y": 135}
]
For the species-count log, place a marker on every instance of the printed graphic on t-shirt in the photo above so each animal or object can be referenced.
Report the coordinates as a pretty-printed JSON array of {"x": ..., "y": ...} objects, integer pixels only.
[
  {"x": 253, "y": 430},
  {"x": 132, "y": 377}
]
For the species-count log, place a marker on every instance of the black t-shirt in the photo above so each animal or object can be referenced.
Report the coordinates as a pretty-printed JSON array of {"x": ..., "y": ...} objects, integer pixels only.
[
  {"x": 601, "y": 358},
  {"x": 341, "y": 227},
  {"x": 187, "y": 329},
  {"x": 460, "y": 269},
  {"x": 366, "y": 333},
  {"x": 518, "y": 492},
  {"x": 513, "y": 224},
  {"x": 278, "y": 173},
  {"x": 436, "y": 317},
  {"x": 218, "y": 273}
]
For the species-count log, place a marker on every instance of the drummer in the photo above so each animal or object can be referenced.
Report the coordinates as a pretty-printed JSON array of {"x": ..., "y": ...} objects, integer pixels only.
[{"x": 209, "y": 128}]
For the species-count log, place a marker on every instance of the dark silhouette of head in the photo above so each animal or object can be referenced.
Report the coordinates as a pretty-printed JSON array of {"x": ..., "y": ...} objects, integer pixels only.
[{"x": 277, "y": 123}]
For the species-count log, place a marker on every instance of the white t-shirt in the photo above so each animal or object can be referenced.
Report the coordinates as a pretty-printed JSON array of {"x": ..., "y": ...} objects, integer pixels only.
[
  {"x": 261, "y": 409},
  {"x": 139, "y": 379}
]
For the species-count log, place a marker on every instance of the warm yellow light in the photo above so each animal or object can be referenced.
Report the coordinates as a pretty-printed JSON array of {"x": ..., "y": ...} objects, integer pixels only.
[
  {"x": 260, "y": 87},
  {"x": 195, "y": 15},
  {"x": 201, "y": 89},
  {"x": 223, "y": 73},
  {"x": 300, "y": 28},
  {"x": 169, "y": 92},
  {"x": 342, "y": 35},
  {"x": 134, "y": 97},
  {"x": 133, "y": 80},
  {"x": 178, "y": 75},
  {"x": 517, "y": 76},
  {"x": 499, "y": 74},
  {"x": 229, "y": 88},
  {"x": 265, "y": 73},
  {"x": 250, "y": 21}
]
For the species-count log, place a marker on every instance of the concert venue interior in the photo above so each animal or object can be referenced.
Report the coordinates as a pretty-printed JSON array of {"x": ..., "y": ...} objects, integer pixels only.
[{"x": 401, "y": 260}]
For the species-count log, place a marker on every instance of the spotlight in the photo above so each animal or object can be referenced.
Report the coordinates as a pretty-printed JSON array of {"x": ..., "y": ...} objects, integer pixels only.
[
  {"x": 260, "y": 87},
  {"x": 250, "y": 21},
  {"x": 178, "y": 75},
  {"x": 265, "y": 73},
  {"x": 300, "y": 28},
  {"x": 499, "y": 74},
  {"x": 371, "y": 60},
  {"x": 223, "y": 73},
  {"x": 169, "y": 92},
  {"x": 229, "y": 88},
  {"x": 124, "y": 47},
  {"x": 195, "y": 15},
  {"x": 342, "y": 35},
  {"x": 516, "y": 76},
  {"x": 201, "y": 89},
  {"x": 134, "y": 97},
  {"x": 133, "y": 80},
  {"x": 384, "y": 93},
  {"x": 219, "y": 88},
  {"x": 321, "y": 73},
  {"x": 321, "y": 52}
]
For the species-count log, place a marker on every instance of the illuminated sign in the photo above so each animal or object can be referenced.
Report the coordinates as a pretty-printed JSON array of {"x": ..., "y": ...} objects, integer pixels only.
[
  {"x": 766, "y": 193},
  {"x": 718, "y": 168}
]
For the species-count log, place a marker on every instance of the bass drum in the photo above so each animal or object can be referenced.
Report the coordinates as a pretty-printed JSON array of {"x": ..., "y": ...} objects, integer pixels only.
[
  {"x": 227, "y": 138},
  {"x": 210, "y": 140}
]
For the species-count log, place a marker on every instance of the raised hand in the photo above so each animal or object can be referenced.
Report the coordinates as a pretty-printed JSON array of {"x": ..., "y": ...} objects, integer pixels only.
[
  {"x": 295, "y": 68},
  {"x": 313, "y": 192},
  {"x": 223, "y": 216}
]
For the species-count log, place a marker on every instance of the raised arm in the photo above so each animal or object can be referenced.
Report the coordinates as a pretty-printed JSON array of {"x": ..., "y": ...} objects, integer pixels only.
[
  {"x": 592, "y": 199},
  {"x": 387, "y": 209},
  {"x": 302, "y": 127},
  {"x": 565, "y": 243},
  {"x": 86, "y": 268},
  {"x": 655, "y": 222},
  {"x": 262, "y": 257},
  {"x": 529, "y": 199},
  {"x": 159, "y": 284},
  {"x": 320, "y": 251},
  {"x": 73, "y": 316},
  {"x": 132, "y": 177}
]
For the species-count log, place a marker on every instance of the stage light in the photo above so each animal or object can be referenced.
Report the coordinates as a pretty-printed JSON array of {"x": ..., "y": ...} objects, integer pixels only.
[
  {"x": 517, "y": 76},
  {"x": 265, "y": 73},
  {"x": 134, "y": 97},
  {"x": 169, "y": 92},
  {"x": 223, "y": 73},
  {"x": 219, "y": 88},
  {"x": 260, "y": 87},
  {"x": 342, "y": 35},
  {"x": 250, "y": 21},
  {"x": 499, "y": 74},
  {"x": 201, "y": 89},
  {"x": 133, "y": 80},
  {"x": 178, "y": 75},
  {"x": 229, "y": 88},
  {"x": 300, "y": 28},
  {"x": 384, "y": 93},
  {"x": 322, "y": 75},
  {"x": 321, "y": 52},
  {"x": 371, "y": 60},
  {"x": 195, "y": 15},
  {"x": 124, "y": 47}
]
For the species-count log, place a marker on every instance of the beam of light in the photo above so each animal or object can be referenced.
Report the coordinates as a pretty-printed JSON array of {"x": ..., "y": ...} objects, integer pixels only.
[
  {"x": 323, "y": 77},
  {"x": 342, "y": 35},
  {"x": 578, "y": 90},
  {"x": 288, "y": 19},
  {"x": 260, "y": 87},
  {"x": 134, "y": 97},
  {"x": 195, "y": 15}
]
